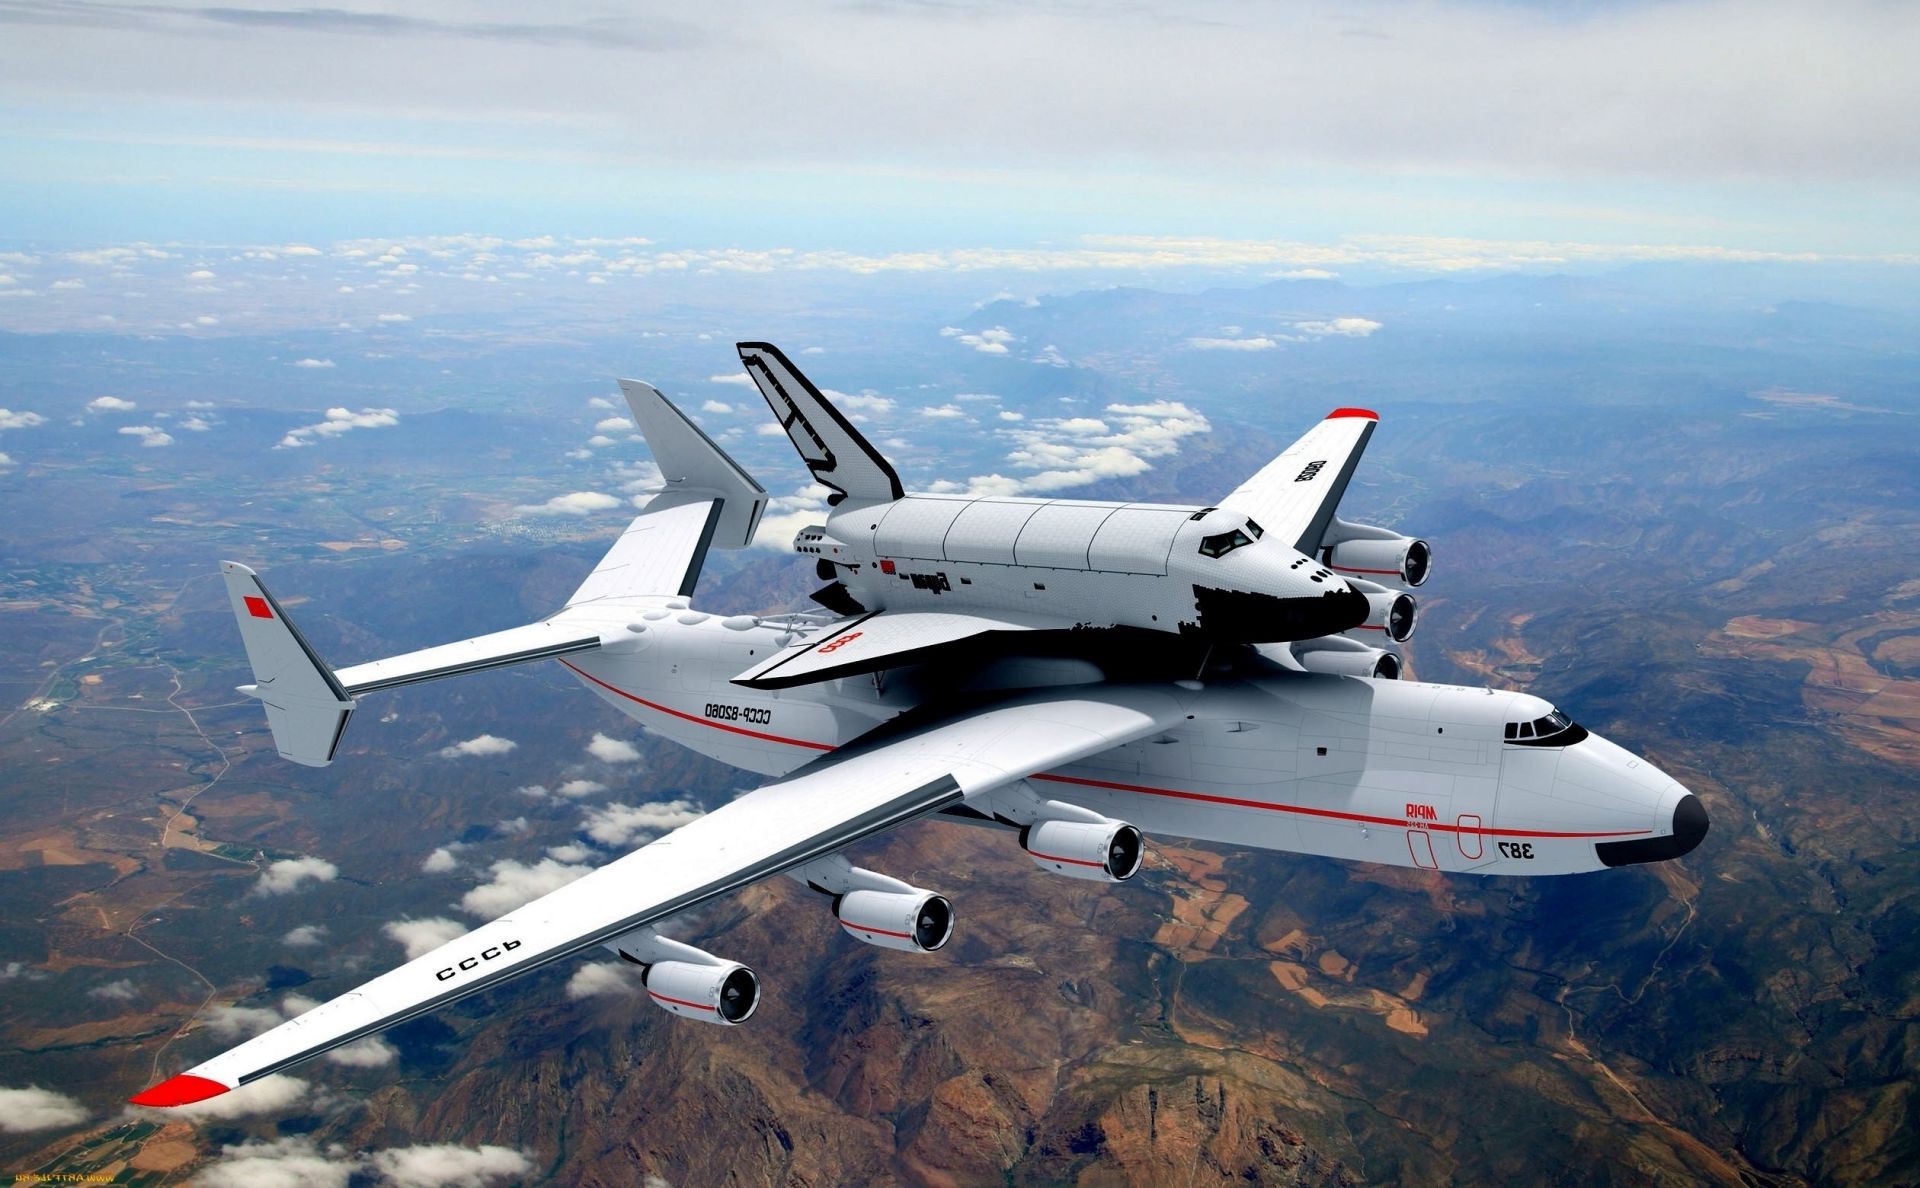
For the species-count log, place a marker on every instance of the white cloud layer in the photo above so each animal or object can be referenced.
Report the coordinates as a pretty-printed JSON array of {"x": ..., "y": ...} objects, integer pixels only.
[
  {"x": 482, "y": 746},
  {"x": 34, "y": 1108},
  {"x": 420, "y": 937},
  {"x": 337, "y": 422},
  {"x": 577, "y": 503},
  {"x": 517, "y": 883},
  {"x": 601, "y": 977},
  {"x": 150, "y": 435},
  {"x": 608, "y": 749},
  {"x": 296, "y": 1162},
  {"x": 619, "y": 825},
  {"x": 110, "y": 404},
  {"x": 291, "y": 874}
]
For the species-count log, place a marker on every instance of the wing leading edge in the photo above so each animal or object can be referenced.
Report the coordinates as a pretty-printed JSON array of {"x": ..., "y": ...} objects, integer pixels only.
[{"x": 855, "y": 793}]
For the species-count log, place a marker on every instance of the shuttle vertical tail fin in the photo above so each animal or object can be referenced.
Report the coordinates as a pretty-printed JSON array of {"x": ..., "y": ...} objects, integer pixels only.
[{"x": 839, "y": 457}]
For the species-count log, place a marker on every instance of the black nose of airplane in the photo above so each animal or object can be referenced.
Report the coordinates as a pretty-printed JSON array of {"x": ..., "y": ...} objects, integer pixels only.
[{"x": 1689, "y": 829}]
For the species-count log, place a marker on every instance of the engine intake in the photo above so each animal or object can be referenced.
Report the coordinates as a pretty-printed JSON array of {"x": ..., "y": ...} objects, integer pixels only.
[
  {"x": 1388, "y": 611},
  {"x": 727, "y": 993},
  {"x": 913, "y": 921},
  {"x": 1103, "y": 851},
  {"x": 1361, "y": 550}
]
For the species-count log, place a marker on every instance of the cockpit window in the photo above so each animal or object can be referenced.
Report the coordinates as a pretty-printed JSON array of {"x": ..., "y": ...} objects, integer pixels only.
[
  {"x": 1225, "y": 542},
  {"x": 1254, "y": 530},
  {"x": 1554, "y": 730}
]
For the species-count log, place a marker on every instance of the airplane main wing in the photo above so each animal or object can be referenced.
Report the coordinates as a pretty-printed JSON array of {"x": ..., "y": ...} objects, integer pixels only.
[
  {"x": 904, "y": 770},
  {"x": 883, "y": 639},
  {"x": 1295, "y": 494}
]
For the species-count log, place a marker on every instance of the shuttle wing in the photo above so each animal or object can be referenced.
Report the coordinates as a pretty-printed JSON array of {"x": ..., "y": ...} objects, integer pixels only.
[
  {"x": 883, "y": 639},
  {"x": 1295, "y": 495},
  {"x": 917, "y": 765}
]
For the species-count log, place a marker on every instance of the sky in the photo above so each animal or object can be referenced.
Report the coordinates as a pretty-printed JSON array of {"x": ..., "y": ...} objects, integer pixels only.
[{"x": 874, "y": 127}]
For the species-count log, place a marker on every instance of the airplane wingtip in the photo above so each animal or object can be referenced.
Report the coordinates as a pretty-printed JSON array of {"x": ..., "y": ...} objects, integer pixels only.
[
  {"x": 184, "y": 1089},
  {"x": 1364, "y": 413}
]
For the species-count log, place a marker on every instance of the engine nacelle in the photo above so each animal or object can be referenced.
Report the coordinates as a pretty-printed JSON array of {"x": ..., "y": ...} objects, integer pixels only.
[
  {"x": 1391, "y": 612},
  {"x": 1387, "y": 556},
  {"x": 1103, "y": 851},
  {"x": 726, "y": 993},
  {"x": 1357, "y": 660},
  {"x": 914, "y": 921}
]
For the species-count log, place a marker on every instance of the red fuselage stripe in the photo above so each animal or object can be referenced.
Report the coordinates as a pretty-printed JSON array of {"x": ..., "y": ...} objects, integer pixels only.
[
  {"x": 652, "y": 705},
  {"x": 1302, "y": 810},
  {"x": 1201, "y": 797},
  {"x": 881, "y": 931},
  {"x": 1058, "y": 858}
]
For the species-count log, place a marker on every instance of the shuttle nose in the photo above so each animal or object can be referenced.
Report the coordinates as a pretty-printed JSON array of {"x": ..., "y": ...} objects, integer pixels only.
[{"x": 1689, "y": 829}]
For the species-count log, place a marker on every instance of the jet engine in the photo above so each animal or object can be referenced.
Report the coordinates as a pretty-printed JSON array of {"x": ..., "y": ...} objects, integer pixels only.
[
  {"x": 1390, "y": 611},
  {"x": 1362, "y": 550},
  {"x": 1336, "y": 655},
  {"x": 915, "y": 921},
  {"x": 726, "y": 993},
  {"x": 690, "y": 982},
  {"x": 1103, "y": 851}
]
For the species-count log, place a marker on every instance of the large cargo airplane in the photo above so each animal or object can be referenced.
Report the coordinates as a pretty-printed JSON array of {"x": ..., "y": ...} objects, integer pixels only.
[{"x": 1076, "y": 674}]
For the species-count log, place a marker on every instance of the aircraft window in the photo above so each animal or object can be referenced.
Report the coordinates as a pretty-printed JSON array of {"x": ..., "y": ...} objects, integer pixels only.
[
  {"x": 1254, "y": 530},
  {"x": 1526, "y": 730},
  {"x": 1556, "y": 726},
  {"x": 1224, "y": 543},
  {"x": 1513, "y": 730}
]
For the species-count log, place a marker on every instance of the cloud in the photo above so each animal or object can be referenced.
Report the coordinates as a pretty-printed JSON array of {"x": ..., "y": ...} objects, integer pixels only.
[
  {"x": 482, "y": 745},
  {"x": 20, "y": 420},
  {"x": 338, "y": 421},
  {"x": 34, "y": 1108},
  {"x": 273, "y": 1094},
  {"x": 149, "y": 435},
  {"x": 601, "y": 977},
  {"x": 281, "y": 1163},
  {"x": 306, "y": 936},
  {"x": 944, "y": 412},
  {"x": 290, "y": 874},
  {"x": 1007, "y": 415},
  {"x": 110, "y": 404},
  {"x": 613, "y": 425},
  {"x": 992, "y": 341},
  {"x": 862, "y": 402},
  {"x": 600, "y": 402},
  {"x": 371, "y": 1052},
  {"x": 578, "y": 503},
  {"x": 1260, "y": 343},
  {"x": 720, "y": 407},
  {"x": 574, "y": 789},
  {"x": 620, "y": 825},
  {"x": 446, "y": 1165},
  {"x": 120, "y": 990},
  {"x": 441, "y": 860},
  {"x": 314, "y": 363},
  {"x": 297, "y": 1162},
  {"x": 570, "y": 853},
  {"x": 1061, "y": 453},
  {"x": 394, "y": 317},
  {"x": 612, "y": 750},
  {"x": 516, "y": 883},
  {"x": 420, "y": 937},
  {"x": 1346, "y": 327},
  {"x": 241, "y": 1022},
  {"x": 740, "y": 379}
]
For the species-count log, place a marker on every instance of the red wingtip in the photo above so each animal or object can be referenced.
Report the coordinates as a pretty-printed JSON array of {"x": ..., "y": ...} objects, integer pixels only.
[
  {"x": 184, "y": 1089},
  {"x": 1368, "y": 413}
]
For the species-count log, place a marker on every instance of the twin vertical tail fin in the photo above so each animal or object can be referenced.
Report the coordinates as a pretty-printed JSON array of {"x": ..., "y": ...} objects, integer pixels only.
[{"x": 307, "y": 706}]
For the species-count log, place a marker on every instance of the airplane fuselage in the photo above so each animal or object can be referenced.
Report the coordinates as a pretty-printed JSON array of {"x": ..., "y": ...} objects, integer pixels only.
[{"x": 1397, "y": 772}]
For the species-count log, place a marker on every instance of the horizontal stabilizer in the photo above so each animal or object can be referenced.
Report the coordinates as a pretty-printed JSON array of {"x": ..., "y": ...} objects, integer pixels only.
[
  {"x": 536, "y": 641},
  {"x": 883, "y": 639},
  {"x": 307, "y": 707}
]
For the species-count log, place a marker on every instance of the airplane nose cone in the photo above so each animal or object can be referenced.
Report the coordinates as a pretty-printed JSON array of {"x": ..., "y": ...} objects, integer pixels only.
[{"x": 1689, "y": 830}]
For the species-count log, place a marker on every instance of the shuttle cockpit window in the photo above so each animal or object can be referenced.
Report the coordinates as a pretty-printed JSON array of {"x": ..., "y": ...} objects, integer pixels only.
[
  {"x": 1222, "y": 543},
  {"x": 1554, "y": 730}
]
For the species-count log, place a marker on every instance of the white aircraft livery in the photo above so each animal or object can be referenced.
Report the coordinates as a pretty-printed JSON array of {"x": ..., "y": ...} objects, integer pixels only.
[{"x": 1075, "y": 674}]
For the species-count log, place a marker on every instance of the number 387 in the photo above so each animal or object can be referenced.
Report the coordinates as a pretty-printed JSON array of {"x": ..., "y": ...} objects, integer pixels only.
[{"x": 1516, "y": 850}]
